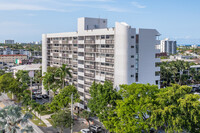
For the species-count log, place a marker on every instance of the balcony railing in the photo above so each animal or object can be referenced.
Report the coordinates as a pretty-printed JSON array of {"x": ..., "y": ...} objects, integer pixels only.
[
  {"x": 89, "y": 58},
  {"x": 109, "y": 60},
  {"x": 90, "y": 75},
  {"x": 89, "y": 41},
  {"x": 105, "y": 51},
  {"x": 89, "y": 66},
  {"x": 110, "y": 42},
  {"x": 90, "y": 50}
]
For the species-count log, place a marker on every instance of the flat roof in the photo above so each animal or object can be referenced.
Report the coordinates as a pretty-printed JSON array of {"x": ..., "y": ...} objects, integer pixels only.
[
  {"x": 195, "y": 66},
  {"x": 28, "y": 67},
  {"x": 14, "y": 55}
]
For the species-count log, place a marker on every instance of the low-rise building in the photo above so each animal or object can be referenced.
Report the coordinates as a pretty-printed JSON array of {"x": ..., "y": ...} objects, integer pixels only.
[{"x": 10, "y": 59}]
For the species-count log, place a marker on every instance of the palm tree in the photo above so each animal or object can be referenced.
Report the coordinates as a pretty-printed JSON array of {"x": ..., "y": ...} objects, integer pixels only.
[
  {"x": 63, "y": 72},
  {"x": 26, "y": 99},
  {"x": 11, "y": 117},
  {"x": 33, "y": 105}
]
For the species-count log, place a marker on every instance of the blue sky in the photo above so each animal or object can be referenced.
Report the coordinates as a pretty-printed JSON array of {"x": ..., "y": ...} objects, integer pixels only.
[{"x": 26, "y": 20}]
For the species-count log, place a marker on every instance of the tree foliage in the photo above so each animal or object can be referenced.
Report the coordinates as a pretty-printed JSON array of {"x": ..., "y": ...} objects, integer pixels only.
[
  {"x": 144, "y": 107},
  {"x": 63, "y": 99},
  {"x": 61, "y": 120},
  {"x": 103, "y": 100},
  {"x": 178, "y": 72},
  {"x": 8, "y": 83}
]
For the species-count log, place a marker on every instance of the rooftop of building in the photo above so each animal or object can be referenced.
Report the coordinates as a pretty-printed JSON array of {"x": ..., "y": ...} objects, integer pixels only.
[
  {"x": 14, "y": 55},
  {"x": 27, "y": 67}
]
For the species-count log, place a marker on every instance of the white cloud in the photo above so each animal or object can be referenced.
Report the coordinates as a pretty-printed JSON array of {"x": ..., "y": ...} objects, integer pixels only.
[{"x": 138, "y": 5}]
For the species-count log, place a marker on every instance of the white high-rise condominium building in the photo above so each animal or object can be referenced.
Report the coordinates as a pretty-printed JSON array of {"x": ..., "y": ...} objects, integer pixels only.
[
  {"x": 97, "y": 53},
  {"x": 168, "y": 46}
]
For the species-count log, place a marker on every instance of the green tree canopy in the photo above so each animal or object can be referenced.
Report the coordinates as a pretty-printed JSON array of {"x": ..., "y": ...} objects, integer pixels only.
[
  {"x": 61, "y": 120},
  {"x": 63, "y": 99},
  {"x": 8, "y": 83},
  {"x": 144, "y": 107},
  {"x": 103, "y": 100},
  {"x": 23, "y": 76}
]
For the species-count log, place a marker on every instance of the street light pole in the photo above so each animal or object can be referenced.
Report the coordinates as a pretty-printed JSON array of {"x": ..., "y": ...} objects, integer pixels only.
[
  {"x": 31, "y": 89},
  {"x": 72, "y": 112}
]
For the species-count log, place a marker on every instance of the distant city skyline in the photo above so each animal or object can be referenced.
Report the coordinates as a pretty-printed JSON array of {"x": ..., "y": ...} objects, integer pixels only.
[{"x": 27, "y": 20}]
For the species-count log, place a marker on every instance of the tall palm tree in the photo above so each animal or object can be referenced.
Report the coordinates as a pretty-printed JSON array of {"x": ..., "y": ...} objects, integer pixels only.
[
  {"x": 63, "y": 72},
  {"x": 11, "y": 117}
]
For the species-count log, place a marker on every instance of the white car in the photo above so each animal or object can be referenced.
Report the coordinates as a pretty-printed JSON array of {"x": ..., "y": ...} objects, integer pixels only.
[{"x": 85, "y": 131}]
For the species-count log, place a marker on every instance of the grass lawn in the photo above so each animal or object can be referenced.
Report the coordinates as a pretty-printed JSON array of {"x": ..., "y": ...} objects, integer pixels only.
[
  {"x": 35, "y": 120},
  {"x": 46, "y": 112},
  {"x": 50, "y": 121}
]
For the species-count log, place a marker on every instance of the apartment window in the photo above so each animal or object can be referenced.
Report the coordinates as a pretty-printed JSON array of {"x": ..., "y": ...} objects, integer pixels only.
[
  {"x": 136, "y": 77},
  {"x": 102, "y": 37},
  {"x": 157, "y": 73},
  {"x": 132, "y": 56},
  {"x": 156, "y": 82},
  {"x": 132, "y": 46},
  {"x": 132, "y": 66},
  {"x": 132, "y": 37},
  {"x": 132, "y": 75}
]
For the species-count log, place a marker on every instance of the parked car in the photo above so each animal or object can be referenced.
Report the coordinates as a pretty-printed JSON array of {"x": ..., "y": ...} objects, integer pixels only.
[
  {"x": 39, "y": 96},
  {"x": 95, "y": 128},
  {"x": 45, "y": 96},
  {"x": 86, "y": 131},
  {"x": 34, "y": 97}
]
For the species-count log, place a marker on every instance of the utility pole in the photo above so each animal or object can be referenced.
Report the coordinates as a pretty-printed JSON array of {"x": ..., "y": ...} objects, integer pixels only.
[
  {"x": 72, "y": 112},
  {"x": 31, "y": 89}
]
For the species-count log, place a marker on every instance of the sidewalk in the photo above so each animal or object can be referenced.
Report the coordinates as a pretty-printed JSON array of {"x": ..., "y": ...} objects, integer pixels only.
[{"x": 44, "y": 119}]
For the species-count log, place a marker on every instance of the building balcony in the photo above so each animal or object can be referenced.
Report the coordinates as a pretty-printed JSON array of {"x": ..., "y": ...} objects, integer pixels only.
[
  {"x": 80, "y": 57},
  {"x": 80, "y": 65},
  {"x": 75, "y": 41},
  {"x": 109, "y": 60},
  {"x": 110, "y": 79},
  {"x": 102, "y": 41},
  {"x": 91, "y": 75},
  {"x": 81, "y": 42},
  {"x": 89, "y": 58},
  {"x": 89, "y": 66},
  {"x": 90, "y": 50},
  {"x": 80, "y": 81},
  {"x": 88, "y": 83},
  {"x": 89, "y": 41},
  {"x": 110, "y": 41},
  {"x": 81, "y": 73},
  {"x": 82, "y": 98},
  {"x": 81, "y": 50}
]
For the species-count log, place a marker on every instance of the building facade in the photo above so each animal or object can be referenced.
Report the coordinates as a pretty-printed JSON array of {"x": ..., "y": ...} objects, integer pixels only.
[
  {"x": 97, "y": 53},
  {"x": 10, "y": 59},
  {"x": 9, "y": 41},
  {"x": 168, "y": 46}
]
